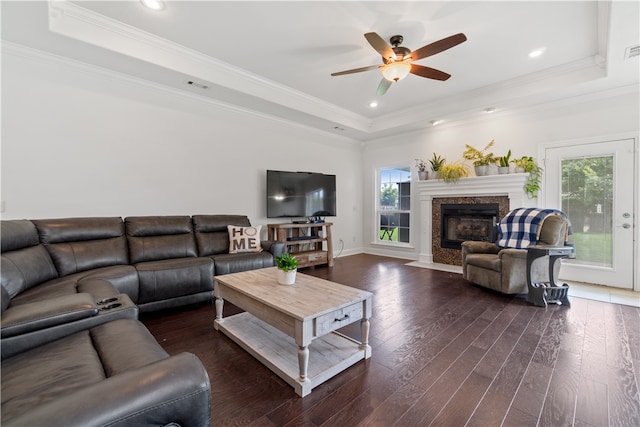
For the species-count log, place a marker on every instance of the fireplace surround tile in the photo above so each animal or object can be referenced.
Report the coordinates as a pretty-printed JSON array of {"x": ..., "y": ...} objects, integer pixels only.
[
  {"x": 466, "y": 190},
  {"x": 452, "y": 256}
]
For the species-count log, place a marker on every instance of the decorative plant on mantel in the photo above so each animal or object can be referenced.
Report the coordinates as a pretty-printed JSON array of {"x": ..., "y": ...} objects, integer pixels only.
[
  {"x": 479, "y": 157},
  {"x": 436, "y": 162},
  {"x": 452, "y": 172},
  {"x": 421, "y": 165},
  {"x": 532, "y": 186},
  {"x": 505, "y": 160}
]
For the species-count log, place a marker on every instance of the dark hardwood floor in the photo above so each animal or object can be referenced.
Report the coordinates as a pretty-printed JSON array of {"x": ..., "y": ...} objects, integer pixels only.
[{"x": 445, "y": 352}]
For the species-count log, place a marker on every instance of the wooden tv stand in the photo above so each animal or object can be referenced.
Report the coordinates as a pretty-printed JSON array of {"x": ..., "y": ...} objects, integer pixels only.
[{"x": 310, "y": 242}]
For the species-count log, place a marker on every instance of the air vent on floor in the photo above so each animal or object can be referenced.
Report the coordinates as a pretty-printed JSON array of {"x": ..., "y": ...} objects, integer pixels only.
[{"x": 632, "y": 52}]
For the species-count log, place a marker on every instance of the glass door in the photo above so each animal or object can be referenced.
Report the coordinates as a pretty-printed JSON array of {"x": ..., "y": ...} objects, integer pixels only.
[{"x": 594, "y": 185}]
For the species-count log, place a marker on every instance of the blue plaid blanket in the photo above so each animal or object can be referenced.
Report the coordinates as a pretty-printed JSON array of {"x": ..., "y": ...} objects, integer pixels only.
[{"x": 520, "y": 227}]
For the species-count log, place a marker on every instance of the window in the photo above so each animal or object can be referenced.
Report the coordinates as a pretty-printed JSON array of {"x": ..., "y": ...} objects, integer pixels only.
[{"x": 393, "y": 208}]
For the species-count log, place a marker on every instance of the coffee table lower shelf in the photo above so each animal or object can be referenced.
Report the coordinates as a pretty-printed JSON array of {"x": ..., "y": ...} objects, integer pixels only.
[{"x": 328, "y": 355}]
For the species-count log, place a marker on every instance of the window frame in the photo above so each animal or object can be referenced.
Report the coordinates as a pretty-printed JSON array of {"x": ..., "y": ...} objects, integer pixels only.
[{"x": 378, "y": 211}]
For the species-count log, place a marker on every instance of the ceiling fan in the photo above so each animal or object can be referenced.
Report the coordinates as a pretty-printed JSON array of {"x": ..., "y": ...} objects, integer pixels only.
[{"x": 397, "y": 61}]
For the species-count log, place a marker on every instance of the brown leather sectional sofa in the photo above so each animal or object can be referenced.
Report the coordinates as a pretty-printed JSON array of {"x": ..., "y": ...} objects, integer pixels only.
[{"x": 73, "y": 351}]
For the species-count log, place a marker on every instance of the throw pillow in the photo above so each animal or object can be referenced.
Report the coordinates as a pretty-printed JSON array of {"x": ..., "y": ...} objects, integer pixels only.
[{"x": 244, "y": 239}]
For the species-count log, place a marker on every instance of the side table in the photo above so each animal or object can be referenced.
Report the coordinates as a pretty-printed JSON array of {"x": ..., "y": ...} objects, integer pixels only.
[{"x": 542, "y": 293}]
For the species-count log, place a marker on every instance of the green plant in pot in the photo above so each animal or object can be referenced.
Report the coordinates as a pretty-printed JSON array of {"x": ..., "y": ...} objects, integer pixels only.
[
  {"x": 436, "y": 163},
  {"x": 528, "y": 165},
  {"x": 452, "y": 172},
  {"x": 480, "y": 158},
  {"x": 287, "y": 266},
  {"x": 504, "y": 162}
]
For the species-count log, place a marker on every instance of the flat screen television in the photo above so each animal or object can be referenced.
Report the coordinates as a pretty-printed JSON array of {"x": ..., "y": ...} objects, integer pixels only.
[{"x": 300, "y": 194}]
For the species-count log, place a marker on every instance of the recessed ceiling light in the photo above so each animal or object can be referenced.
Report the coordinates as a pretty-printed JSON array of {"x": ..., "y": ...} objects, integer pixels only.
[
  {"x": 338, "y": 128},
  {"x": 489, "y": 110},
  {"x": 435, "y": 122},
  {"x": 373, "y": 104},
  {"x": 153, "y": 4},
  {"x": 537, "y": 52}
]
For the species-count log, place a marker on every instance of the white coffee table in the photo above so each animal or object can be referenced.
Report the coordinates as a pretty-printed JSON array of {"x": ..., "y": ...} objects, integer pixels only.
[{"x": 292, "y": 329}]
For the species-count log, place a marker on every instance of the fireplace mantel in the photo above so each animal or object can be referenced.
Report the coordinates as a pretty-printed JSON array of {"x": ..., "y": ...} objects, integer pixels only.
[{"x": 510, "y": 185}]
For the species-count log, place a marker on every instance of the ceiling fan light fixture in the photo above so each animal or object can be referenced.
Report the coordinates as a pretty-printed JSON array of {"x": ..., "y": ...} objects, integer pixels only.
[{"x": 395, "y": 71}]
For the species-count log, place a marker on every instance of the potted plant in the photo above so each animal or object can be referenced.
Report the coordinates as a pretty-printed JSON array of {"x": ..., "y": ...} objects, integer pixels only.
[
  {"x": 504, "y": 163},
  {"x": 520, "y": 163},
  {"x": 528, "y": 165},
  {"x": 287, "y": 267},
  {"x": 436, "y": 163},
  {"x": 480, "y": 158},
  {"x": 422, "y": 169},
  {"x": 452, "y": 172}
]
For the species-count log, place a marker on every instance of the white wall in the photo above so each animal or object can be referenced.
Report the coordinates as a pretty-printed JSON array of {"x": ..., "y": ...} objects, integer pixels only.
[
  {"x": 79, "y": 141},
  {"x": 523, "y": 132}
]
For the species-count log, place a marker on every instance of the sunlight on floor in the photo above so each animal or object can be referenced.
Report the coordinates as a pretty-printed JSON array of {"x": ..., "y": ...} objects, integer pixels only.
[{"x": 576, "y": 289}]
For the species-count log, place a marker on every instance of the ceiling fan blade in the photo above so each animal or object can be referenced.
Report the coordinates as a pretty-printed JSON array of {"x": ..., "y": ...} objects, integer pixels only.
[
  {"x": 380, "y": 45},
  {"x": 356, "y": 70},
  {"x": 437, "y": 47},
  {"x": 428, "y": 72},
  {"x": 383, "y": 87}
]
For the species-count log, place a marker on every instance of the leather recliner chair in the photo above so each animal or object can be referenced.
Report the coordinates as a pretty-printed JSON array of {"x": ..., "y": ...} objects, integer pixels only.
[{"x": 505, "y": 269}]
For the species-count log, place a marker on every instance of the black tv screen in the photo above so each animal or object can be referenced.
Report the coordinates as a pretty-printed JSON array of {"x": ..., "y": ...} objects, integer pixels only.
[{"x": 300, "y": 194}]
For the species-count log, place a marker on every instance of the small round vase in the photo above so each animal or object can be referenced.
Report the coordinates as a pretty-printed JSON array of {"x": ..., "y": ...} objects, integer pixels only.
[
  {"x": 422, "y": 175},
  {"x": 286, "y": 277}
]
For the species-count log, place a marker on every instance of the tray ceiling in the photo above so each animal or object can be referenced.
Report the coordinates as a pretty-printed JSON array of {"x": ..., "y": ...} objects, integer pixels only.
[{"x": 276, "y": 58}]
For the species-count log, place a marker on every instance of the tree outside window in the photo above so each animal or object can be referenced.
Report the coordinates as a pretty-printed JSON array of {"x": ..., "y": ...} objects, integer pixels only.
[
  {"x": 393, "y": 209},
  {"x": 587, "y": 197}
]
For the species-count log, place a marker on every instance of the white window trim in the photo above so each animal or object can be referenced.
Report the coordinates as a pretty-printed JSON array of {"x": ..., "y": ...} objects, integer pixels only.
[{"x": 375, "y": 232}]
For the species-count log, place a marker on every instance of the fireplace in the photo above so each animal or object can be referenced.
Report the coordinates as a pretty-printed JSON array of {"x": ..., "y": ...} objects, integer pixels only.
[
  {"x": 506, "y": 190},
  {"x": 460, "y": 222}
]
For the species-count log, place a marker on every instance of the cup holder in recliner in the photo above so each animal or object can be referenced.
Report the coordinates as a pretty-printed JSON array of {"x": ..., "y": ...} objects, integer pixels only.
[
  {"x": 107, "y": 300},
  {"x": 110, "y": 306}
]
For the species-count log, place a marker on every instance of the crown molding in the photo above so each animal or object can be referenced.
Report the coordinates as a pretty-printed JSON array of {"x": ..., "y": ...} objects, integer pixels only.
[
  {"x": 47, "y": 58},
  {"x": 604, "y": 19},
  {"x": 297, "y": 108},
  {"x": 515, "y": 111},
  {"x": 460, "y": 120},
  {"x": 90, "y": 27},
  {"x": 545, "y": 84}
]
